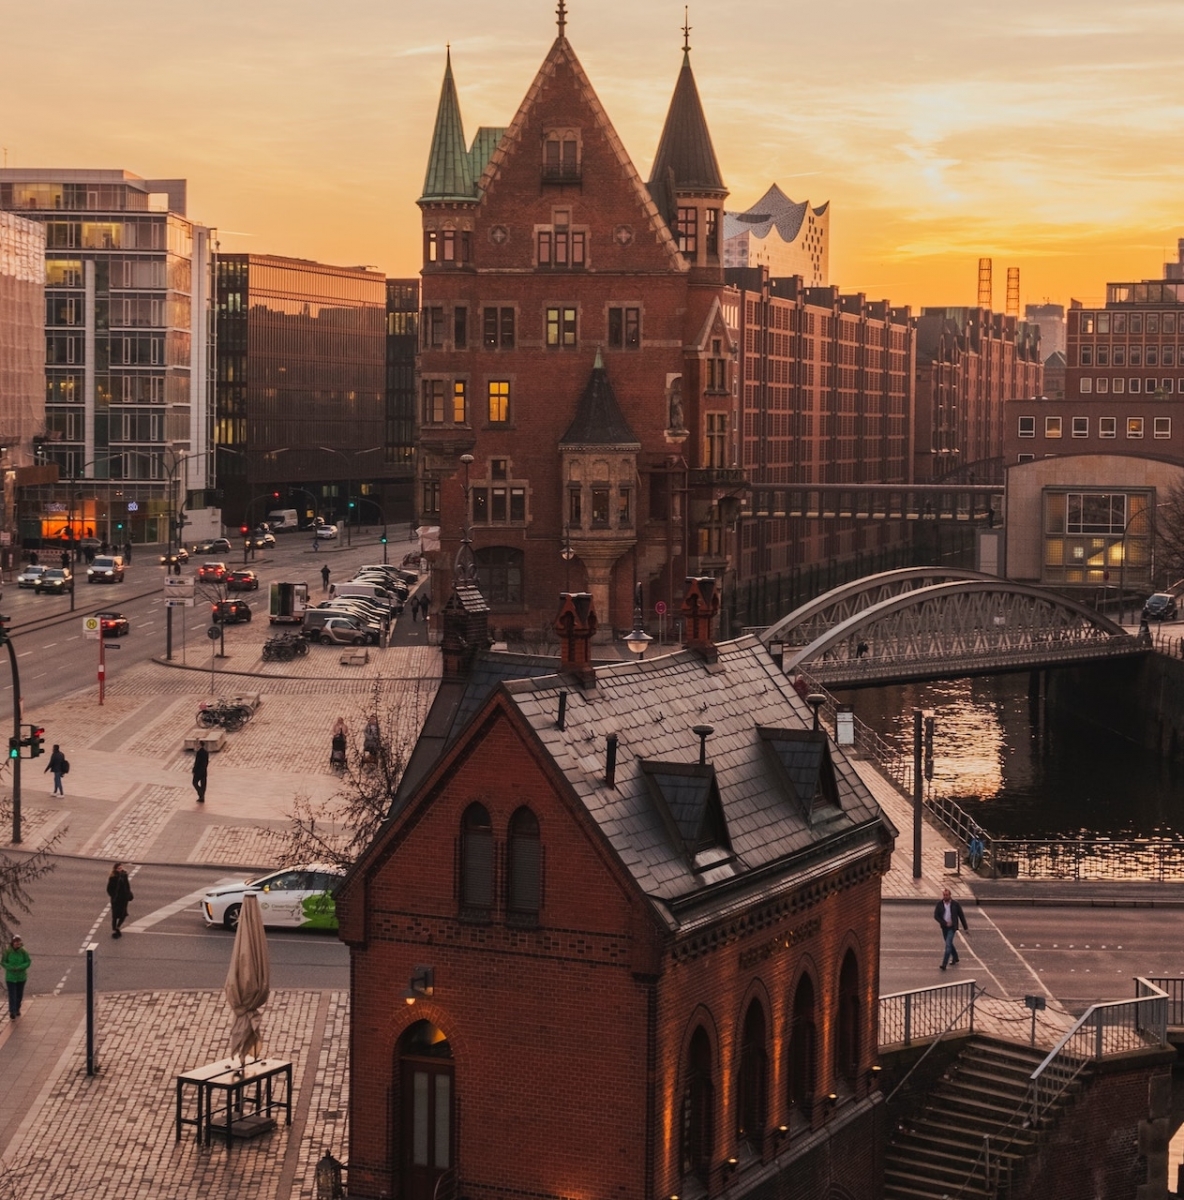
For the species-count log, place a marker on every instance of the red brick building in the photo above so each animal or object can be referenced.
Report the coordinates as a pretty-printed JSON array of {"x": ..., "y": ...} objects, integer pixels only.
[
  {"x": 970, "y": 363},
  {"x": 546, "y": 256},
  {"x": 637, "y": 909}
]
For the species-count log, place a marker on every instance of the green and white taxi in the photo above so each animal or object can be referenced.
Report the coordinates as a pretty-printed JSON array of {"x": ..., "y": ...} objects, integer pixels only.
[{"x": 293, "y": 898}]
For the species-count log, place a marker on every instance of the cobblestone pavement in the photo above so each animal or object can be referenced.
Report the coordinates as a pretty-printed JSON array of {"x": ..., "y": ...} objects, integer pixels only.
[{"x": 112, "y": 1136}]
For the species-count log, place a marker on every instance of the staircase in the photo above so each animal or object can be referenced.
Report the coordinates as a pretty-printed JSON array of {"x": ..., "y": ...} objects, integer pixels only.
[{"x": 983, "y": 1095}]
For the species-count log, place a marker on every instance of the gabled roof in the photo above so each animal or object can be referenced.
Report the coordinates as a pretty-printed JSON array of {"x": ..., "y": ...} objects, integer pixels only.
[
  {"x": 449, "y": 175},
  {"x": 599, "y": 420},
  {"x": 685, "y": 155},
  {"x": 561, "y": 53},
  {"x": 774, "y": 210}
]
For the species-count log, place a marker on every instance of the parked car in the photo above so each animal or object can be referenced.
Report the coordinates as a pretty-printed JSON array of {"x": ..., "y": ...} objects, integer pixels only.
[
  {"x": 343, "y": 631},
  {"x": 369, "y": 617},
  {"x": 114, "y": 624},
  {"x": 1160, "y": 607},
  {"x": 315, "y": 620},
  {"x": 242, "y": 581},
  {"x": 298, "y": 897},
  {"x": 29, "y": 576},
  {"x": 213, "y": 546},
  {"x": 326, "y": 532},
  {"x": 55, "y": 579},
  {"x": 180, "y": 555},
  {"x": 212, "y": 572},
  {"x": 107, "y": 568},
  {"x": 230, "y": 612}
]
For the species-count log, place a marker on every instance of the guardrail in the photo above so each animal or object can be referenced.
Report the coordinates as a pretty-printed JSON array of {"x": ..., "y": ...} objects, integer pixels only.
[
  {"x": 925, "y": 1015},
  {"x": 1104, "y": 1030},
  {"x": 1173, "y": 985}
]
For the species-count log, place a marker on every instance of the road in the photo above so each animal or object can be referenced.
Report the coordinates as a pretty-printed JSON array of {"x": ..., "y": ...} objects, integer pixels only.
[
  {"x": 167, "y": 945},
  {"x": 1077, "y": 955},
  {"x": 54, "y": 658}
]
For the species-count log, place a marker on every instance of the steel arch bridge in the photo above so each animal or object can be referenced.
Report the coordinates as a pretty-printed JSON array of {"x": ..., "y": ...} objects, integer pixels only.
[{"x": 941, "y": 624}]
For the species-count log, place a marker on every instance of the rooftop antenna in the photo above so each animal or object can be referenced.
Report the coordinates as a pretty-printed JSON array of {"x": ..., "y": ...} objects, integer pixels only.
[
  {"x": 686, "y": 30},
  {"x": 561, "y": 13}
]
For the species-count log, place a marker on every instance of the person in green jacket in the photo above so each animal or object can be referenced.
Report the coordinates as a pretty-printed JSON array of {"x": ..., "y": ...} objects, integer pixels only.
[{"x": 15, "y": 962}]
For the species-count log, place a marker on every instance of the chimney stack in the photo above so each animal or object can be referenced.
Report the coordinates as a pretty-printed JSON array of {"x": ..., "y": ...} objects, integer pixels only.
[
  {"x": 576, "y": 624},
  {"x": 699, "y": 605}
]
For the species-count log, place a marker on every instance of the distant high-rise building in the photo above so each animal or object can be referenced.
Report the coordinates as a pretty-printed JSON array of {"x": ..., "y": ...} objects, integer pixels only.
[
  {"x": 786, "y": 237},
  {"x": 22, "y": 336},
  {"x": 127, "y": 337},
  {"x": 301, "y": 393},
  {"x": 1051, "y": 319}
]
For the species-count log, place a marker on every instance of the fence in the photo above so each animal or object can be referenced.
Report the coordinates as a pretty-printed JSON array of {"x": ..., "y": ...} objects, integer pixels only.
[
  {"x": 908, "y": 1017},
  {"x": 1104, "y": 1030}
]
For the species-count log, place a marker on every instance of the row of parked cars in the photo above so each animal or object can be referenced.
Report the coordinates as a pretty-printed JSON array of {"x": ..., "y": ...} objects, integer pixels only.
[{"x": 359, "y": 611}]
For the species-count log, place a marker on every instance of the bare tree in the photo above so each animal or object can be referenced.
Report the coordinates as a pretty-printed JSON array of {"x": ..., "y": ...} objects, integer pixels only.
[
  {"x": 1169, "y": 538},
  {"x": 339, "y": 829},
  {"x": 17, "y": 873}
]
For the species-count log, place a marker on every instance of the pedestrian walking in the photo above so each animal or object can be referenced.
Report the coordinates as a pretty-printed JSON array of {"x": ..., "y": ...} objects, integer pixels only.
[
  {"x": 325, "y": 578},
  {"x": 949, "y": 915},
  {"x": 201, "y": 767},
  {"x": 424, "y": 601},
  {"x": 316, "y": 544},
  {"x": 65, "y": 560},
  {"x": 119, "y": 888},
  {"x": 127, "y": 551},
  {"x": 59, "y": 766},
  {"x": 15, "y": 962},
  {"x": 415, "y": 608}
]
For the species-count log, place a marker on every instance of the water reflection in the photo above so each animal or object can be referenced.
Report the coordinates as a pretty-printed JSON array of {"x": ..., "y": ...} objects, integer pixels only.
[{"x": 1017, "y": 777}]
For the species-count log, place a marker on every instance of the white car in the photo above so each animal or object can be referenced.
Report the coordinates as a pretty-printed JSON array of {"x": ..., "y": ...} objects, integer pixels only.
[
  {"x": 295, "y": 897},
  {"x": 29, "y": 576},
  {"x": 326, "y": 531}
]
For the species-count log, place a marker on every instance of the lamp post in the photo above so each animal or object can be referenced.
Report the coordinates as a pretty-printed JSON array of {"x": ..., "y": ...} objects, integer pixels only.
[
  {"x": 638, "y": 640},
  {"x": 567, "y": 554},
  {"x": 342, "y": 454},
  {"x": 1148, "y": 512}
]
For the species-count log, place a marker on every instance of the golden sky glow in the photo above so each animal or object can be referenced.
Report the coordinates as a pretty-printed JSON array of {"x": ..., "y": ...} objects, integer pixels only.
[{"x": 1048, "y": 135}]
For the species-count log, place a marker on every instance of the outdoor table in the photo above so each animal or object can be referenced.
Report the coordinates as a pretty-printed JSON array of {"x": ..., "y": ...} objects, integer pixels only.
[
  {"x": 248, "y": 1091},
  {"x": 197, "y": 1078}
]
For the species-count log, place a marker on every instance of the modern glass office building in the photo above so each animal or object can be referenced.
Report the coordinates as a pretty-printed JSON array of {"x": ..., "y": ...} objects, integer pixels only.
[
  {"x": 301, "y": 404},
  {"x": 127, "y": 351}
]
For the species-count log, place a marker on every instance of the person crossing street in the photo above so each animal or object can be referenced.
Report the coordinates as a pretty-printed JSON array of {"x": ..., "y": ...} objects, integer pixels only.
[{"x": 947, "y": 912}]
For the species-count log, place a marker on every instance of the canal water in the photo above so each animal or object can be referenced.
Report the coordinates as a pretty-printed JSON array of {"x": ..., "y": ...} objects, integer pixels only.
[{"x": 1020, "y": 777}]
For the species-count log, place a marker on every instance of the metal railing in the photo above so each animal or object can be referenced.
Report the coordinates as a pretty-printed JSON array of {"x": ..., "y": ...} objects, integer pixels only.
[
  {"x": 1173, "y": 985},
  {"x": 927, "y": 1014},
  {"x": 1104, "y": 1030}
]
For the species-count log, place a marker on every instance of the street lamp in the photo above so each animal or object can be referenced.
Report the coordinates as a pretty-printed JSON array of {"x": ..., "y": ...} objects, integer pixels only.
[
  {"x": 638, "y": 640},
  {"x": 348, "y": 490},
  {"x": 567, "y": 554},
  {"x": 1148, "y": 511}
]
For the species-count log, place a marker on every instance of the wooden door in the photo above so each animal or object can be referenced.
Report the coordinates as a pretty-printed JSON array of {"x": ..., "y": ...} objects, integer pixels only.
[{"x": 428, "y": 1110}]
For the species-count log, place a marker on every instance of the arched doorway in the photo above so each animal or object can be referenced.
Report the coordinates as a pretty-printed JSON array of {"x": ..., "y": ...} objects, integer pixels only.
[
  {"x": 848, "y": 1049},
  {"x": 427, "y": 1110}
]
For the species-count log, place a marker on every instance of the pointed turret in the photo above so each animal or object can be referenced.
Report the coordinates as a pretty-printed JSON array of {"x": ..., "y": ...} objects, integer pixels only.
[
  {"x": 449, "y": 176},
  {"x": 599, "y": 420}
]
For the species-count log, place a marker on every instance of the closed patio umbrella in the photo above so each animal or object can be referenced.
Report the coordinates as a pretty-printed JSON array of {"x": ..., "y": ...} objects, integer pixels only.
[{"x": 248, "y": 982}]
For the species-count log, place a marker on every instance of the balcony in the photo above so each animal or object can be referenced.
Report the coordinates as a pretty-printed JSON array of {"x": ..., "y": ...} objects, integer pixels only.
[
  {"x": 568, "y": 172},
  {"x": 717, "y": 477}
]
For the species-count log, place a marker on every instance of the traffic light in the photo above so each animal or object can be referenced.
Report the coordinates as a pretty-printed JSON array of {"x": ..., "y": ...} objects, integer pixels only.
[
  {"x": 4, "y": 629},
  {"x": 275, "y": 495},
  {"x": 14, "y": 747},
  {"x": 36, "y": 741},
  {"x": 244, "y": 529},
  {"x": 383, "y": 538}
]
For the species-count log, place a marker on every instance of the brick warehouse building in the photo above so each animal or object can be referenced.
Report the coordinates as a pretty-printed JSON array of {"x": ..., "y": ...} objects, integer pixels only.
[
  {"x": 640, "y": 952},
  {"x": 544, "y": 249}
]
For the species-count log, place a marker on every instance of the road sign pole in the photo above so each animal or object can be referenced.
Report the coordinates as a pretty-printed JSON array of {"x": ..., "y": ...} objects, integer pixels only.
[
  {"x": 102, "y": 665},
  {"x": 168, "y": 632}
]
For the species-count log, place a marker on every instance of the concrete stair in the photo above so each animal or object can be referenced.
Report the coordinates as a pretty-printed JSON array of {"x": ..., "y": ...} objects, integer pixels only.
[{"x": 983, "y": 1094}]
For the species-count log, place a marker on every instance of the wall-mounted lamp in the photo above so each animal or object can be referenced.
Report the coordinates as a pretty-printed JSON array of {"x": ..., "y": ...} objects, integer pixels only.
[
  {"x": 730, "y": 1165},
  {"x": 781, "y": 1134},
  {"x": 874, "y": 1076},
  {"x": 832, "y": 1099},
  {"x": 422, "y": 984}
]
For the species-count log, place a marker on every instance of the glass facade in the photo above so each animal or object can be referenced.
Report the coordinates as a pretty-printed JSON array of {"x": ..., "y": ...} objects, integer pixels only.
[
  {"x": 124, "y": 340},
  {"x": 301, "y": 386}
]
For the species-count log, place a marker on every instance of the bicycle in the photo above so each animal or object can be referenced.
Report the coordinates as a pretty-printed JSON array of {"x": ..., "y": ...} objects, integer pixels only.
[{"x": 232, "y": 717}]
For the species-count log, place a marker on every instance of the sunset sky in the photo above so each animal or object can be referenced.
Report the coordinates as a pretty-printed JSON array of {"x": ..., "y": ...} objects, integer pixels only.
[{"x": 1048, "y": 135}]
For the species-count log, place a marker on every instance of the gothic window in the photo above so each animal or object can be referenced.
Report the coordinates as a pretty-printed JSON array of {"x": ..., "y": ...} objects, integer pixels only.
[
  {"x": 753, "y": 1082},
  {"x": 698, "y": 1109},
  {"x": 803, "y": 1048},
  {"x": 476, "y": 863},
  {"x": 524, "y": 890},
  {"x": 848, "y": 1049}
]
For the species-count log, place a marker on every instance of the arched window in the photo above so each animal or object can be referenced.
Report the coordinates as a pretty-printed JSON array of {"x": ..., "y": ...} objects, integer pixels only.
[
  {"x": 753, "y": 1082},
  {"x": 524, "y": 893},
  {"x": 476, "y": 862},
  {"x": 847, "y": 1040},
  {"x": 803, "y": 1048},
  {"x": 427, "y": 1116},
  {"x": 698, "y": 1109},
  {"x": 499, "y": 574}
]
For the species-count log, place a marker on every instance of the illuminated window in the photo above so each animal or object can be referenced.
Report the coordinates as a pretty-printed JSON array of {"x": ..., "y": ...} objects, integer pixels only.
[
  {"x": 499, "y": 401},
  {"x": 1052, "y": 426},
  {"x": 561, "y": 328},
  {"x": 1134, "y": 427},
  {"x": 460, "y": 403}
]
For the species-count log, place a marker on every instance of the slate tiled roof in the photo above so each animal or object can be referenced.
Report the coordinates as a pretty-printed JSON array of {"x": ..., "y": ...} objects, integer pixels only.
[
  {"x": 481, "y": 151},
  {"x": 652, "y": 707},
  {"x": 599, "y": 420},
  {"x": 684, "y": 149}
]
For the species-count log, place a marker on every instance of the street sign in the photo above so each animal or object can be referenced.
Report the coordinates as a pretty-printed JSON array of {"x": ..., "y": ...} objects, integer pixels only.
[
  {"x": 213, "y": 633},
  {"x": 175, "y": 602},
  {"x": 660, "y": 608},
  {"x": 91, "y": 627},
  {"x": 132, "y": 506},
  {"x": 174, "y": 584},
  {"x": 112, "y": 646}
]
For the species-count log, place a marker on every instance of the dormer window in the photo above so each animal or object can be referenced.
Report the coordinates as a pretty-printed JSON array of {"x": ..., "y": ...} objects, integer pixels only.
[{"x": 561, "y": 156}]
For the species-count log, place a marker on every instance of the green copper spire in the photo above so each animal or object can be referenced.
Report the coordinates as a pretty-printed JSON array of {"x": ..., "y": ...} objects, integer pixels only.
[{"x": 449, "y": 174}]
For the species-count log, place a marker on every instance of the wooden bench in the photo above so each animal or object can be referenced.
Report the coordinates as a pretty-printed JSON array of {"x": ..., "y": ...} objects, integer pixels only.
[{"x": 212, "y": 739}]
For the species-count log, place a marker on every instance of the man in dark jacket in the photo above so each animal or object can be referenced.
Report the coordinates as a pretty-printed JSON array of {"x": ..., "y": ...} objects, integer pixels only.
[
  {"x": 201, "y": 767},
  {"x": 948, "y": 914},
  {"x": 58, "y": 765},
  {"x": 119, "y": 888}
]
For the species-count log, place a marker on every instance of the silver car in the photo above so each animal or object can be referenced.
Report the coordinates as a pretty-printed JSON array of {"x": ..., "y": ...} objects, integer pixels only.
[{"x": 29, "y": 576}]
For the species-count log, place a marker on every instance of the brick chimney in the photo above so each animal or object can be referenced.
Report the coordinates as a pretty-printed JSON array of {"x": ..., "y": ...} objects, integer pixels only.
[
  {"x": 576, "y": 624},
  {"x": 699, "y": 605}
]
